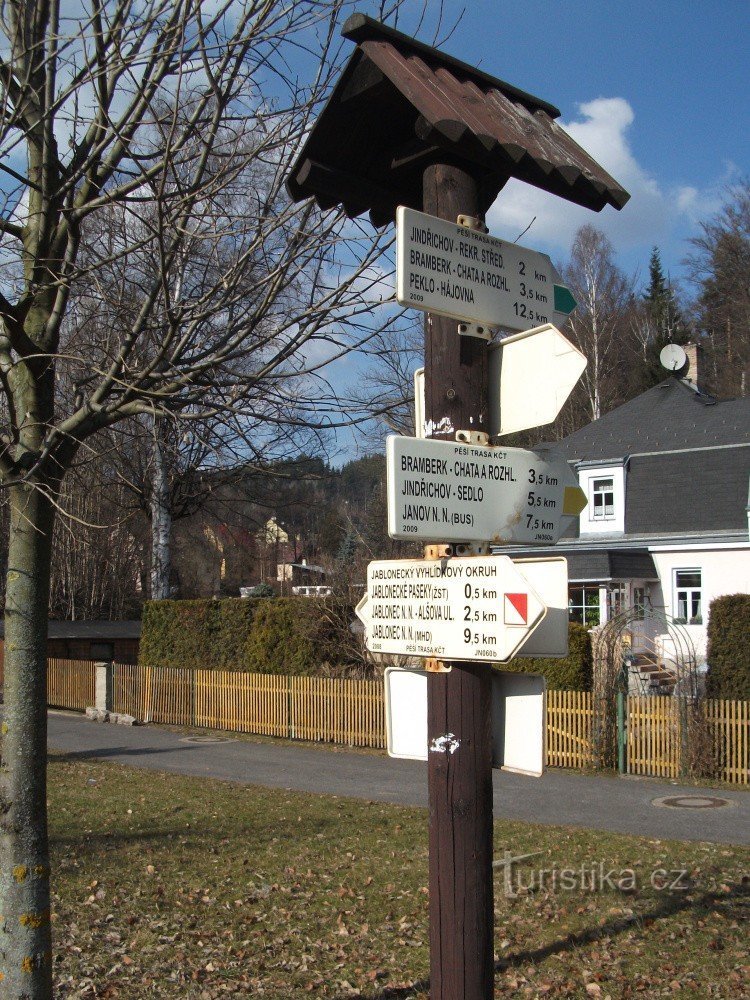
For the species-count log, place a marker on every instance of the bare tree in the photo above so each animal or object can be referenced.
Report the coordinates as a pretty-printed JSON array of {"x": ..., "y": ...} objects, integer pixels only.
[
  {"x": 120, "y": 125},
  {"x": 599, "y": 324},
  {"x": 719, "y": 266}
]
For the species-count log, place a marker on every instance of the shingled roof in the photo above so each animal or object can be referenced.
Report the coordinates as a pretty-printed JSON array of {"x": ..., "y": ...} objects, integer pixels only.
[
  {"x": 401, "y": 105},
  {"x": 669, "y": 417}
]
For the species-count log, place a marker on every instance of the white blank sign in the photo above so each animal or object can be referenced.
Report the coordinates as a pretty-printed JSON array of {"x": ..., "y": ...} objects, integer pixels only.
[{"x": 518, "y": 718}]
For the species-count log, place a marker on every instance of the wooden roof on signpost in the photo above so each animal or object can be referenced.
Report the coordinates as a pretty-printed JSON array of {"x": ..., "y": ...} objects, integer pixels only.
[{"x": 400, "y": 105}]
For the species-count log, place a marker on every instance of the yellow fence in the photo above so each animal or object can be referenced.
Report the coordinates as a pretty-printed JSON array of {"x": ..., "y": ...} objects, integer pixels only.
[
  {"x": 334, "y": 710},
  {"x": 71, "y": 683},
  {"x": 352, "y": 712},
  {"x": 570, "y": 717},
  {"x": 653, "y": 736}
]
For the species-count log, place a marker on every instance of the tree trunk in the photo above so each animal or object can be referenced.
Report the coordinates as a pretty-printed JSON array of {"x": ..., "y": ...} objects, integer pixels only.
[
  {"x": 161, "y": 522},
  {"x": 25, "y": 934}
]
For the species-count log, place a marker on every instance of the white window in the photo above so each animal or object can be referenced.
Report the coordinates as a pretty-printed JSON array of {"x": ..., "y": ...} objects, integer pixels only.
[
  {"x": 604, "y": 486},
  {"x": 603, "y": 499},
  {"x": 688, "y": 596},
  {"x": 583, "y": 605}
]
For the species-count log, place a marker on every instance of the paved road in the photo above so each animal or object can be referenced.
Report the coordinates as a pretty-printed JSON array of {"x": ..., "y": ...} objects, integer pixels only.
[{"x": 624, "y": 805}]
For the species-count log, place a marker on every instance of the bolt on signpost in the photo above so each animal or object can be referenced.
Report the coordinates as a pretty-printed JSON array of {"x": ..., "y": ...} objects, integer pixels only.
[{"x": 413, "y": 131}]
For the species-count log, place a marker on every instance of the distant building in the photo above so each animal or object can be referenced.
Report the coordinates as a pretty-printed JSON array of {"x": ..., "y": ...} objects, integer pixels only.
[
  {"x": 95, "y": 640},
  {"x": 666, "y": 526},
  {"x": 303, "y": 579}
]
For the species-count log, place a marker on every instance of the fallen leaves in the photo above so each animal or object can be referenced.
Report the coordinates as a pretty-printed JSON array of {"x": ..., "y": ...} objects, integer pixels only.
[{"x": 205, "y": 891}]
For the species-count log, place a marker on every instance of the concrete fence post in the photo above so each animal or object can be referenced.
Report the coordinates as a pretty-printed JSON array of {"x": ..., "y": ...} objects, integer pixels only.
[{"x": 104, "y": 686}]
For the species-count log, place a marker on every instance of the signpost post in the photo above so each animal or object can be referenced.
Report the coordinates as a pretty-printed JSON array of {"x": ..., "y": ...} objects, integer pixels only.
[{"x": 459, "y": 702}]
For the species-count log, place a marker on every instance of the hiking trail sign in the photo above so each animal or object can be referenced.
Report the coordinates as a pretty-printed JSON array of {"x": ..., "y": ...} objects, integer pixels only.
[
  {"x": 466, "y": 274},
  {"x": 531, "y": 374},
  {"x": 450, "y": 492},
  {"x": 477, "y": 608}
]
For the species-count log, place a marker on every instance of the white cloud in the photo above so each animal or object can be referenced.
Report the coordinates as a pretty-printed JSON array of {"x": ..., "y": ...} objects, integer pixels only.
[{"x": 650, "y": 217}]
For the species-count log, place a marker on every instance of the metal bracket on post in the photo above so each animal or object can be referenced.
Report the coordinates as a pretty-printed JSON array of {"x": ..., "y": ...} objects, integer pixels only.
[
  {"x": 472, "y": 549},
  {"x": 433, "y": 666},
  {"x": 471, "y": 222},
  {"x": 473, "y": 437},
  {"x": 475, "y": 330},
  {"x": 438, "y": 551},
  {"x": 434, "y": 552}
]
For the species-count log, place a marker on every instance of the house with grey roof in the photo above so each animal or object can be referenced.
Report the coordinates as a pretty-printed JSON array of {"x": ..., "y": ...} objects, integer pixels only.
[{"x": 666, "y": 475}]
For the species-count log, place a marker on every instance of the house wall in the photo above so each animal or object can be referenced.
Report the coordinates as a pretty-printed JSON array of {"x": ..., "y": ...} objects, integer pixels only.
[{"x": 723, "y": 571}]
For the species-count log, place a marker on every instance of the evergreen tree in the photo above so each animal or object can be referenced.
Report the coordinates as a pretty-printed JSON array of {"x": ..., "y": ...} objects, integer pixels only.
[
  {"x": 662, "y": 321},
  {"x": 347, "y": 549}
]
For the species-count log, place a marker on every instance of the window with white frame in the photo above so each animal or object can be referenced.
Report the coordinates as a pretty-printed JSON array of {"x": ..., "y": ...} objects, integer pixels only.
[
  {"x": 639, "y": 603},
  {"x": 604, "y": 486},
  {"x": 688, "y": 596},
  {"x": 584, "y": 605},
  {"x": 603, "y": 499}
]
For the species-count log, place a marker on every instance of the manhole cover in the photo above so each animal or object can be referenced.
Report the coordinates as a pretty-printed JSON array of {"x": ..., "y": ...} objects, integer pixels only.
[
  {"x": 692, "y": 802},
  {"x": 206, "y": 739}
]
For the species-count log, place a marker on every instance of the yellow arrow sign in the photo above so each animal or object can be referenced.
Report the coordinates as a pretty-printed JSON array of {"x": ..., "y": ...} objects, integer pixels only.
[{"x": 574, "y": 500}]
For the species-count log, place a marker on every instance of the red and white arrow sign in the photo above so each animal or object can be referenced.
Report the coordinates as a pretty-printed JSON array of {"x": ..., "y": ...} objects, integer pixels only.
[
  {"x": 516, "y": 609},
  {"x": 456, "y": 609}
]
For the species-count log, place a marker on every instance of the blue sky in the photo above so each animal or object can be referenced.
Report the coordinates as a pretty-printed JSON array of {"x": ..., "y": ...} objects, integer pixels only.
[{"x": 658, "y": 91}]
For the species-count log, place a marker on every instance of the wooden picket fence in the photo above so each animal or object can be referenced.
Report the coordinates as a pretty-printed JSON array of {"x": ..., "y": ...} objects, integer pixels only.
[
  {"x": 655, "y": 729},
  {"x": 335, "y": 710},
  {"x": 71, "y": 683},
  {"x": 352, "y": 713},
  {"x": 729, "y": 724},
  {"x": 570, "y": 719},
  {"x": 653, "y": 736}
]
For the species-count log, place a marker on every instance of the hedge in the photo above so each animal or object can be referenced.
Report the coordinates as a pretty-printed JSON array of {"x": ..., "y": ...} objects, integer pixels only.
[
  {"x": 283, "y": 635},
  {"x": 573, "y": 672},
  {"x": 728, "y": 652}
]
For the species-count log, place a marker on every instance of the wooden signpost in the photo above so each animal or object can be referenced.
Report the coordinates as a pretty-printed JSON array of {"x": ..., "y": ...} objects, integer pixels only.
[{"x": 443, "y": 139}]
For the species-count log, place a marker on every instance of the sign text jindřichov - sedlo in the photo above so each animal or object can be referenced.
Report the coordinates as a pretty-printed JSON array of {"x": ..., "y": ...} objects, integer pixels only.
[{"x": 452, "y": 492}]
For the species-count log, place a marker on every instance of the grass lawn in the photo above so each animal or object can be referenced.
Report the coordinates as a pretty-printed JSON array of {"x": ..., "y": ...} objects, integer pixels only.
[{"x": 168, "y": 886}]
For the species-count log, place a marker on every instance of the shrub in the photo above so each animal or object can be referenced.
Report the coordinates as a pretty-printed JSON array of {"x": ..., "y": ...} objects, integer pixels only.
[
  {"x": 291, "y": 635},
  {"x": 573, "y": 672},
  {"x": 728, "y": 651}
]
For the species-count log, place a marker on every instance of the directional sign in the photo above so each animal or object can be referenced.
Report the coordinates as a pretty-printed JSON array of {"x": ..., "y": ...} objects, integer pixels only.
[
  {"x": 530, "y": 376},
  {"x": 446, "y": 269},
  {"x": 548, "y": 577},
  {"x": 449, "y": 492},
  {"x": 479, "y": 608}
]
